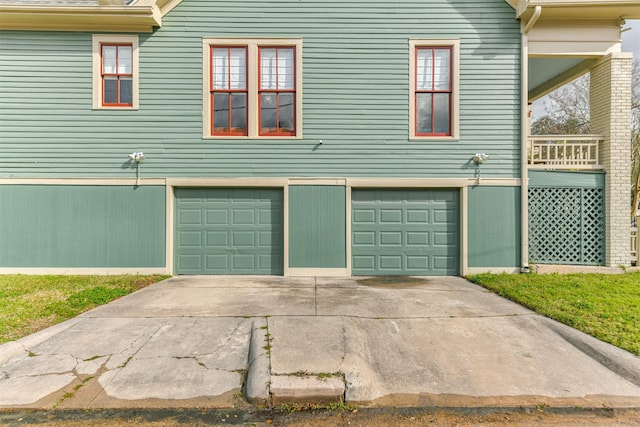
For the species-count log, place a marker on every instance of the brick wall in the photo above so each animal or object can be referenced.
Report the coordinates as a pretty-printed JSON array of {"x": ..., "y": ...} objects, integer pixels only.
[{"x": 610, "y": 98}]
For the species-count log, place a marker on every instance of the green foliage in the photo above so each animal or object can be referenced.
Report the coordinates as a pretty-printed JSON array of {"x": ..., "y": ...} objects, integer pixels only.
[
  {"x": 31, "y": 303},
  {"x": 606, "y": 306}
]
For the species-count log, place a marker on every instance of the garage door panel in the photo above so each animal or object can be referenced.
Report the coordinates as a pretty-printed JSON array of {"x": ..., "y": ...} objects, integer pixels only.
[
  {"x": 417, "y": 216},
  {"x": 390, "y": 216},
  {"x": 444, "y": 216},
  {"x": 216, "y": 216},
  {"x": 405, "y": 231},
  {"x": 417, "y": 262},
  {"x": 190, "y": 217},
  {"x": 417, "y": 238},
  {"x": 240, "y": 229},
  {"x": 192, "y": 239},
  {"x": 446, "y": 239}
]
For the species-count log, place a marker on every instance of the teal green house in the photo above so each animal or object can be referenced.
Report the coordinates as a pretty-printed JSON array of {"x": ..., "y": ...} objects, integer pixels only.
[{"x": 302, "y": 137}]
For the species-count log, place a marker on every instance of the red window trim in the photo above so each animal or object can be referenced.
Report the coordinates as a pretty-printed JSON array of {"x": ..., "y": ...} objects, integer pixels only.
[
  {"x": 277, "y": 91},
  {"x": 229, "y": 91},
  {"x": 117, "y": 75},
  {"x": 432, "y": 91}
]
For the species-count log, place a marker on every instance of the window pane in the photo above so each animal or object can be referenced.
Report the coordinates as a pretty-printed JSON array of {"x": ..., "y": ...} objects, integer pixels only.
[
  {"x": 425, "y": 69},
  {"x": 441, "y": 113},
  {"x": 221, "y": 112},
  {"x": 239, "y": 112},
  {"x": 220, "y": 70},
  {"x": 423, "y": 113},
  {"x": 443, "y": 69},
  {"x": 126, "y": 90},
  {"x": 268, "y": 112},
  {"x": 238, "y": 65},
  {"x": 109, "y": 59},
  {"x": 286, "y": 110},
  {"x": 124, "y": 60},
  {"x": 268, "y": 69},
  {"x": 110, "y": 95},
  {"x": 286, "y": 69}
]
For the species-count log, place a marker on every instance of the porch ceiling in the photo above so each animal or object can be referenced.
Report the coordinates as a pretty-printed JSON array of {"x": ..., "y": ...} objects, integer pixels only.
[{"x": 547, "y": 74}]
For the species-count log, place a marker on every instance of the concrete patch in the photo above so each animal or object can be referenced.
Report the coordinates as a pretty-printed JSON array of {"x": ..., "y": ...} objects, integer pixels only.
[
  {"x": 167, "y": 378},
  {"x": 30, "y": 389}
]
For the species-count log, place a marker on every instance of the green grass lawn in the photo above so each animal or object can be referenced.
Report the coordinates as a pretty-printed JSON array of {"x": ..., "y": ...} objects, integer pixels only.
[
  {"x": 606, "y": 306},
  {"x": 31, "y": 303}
]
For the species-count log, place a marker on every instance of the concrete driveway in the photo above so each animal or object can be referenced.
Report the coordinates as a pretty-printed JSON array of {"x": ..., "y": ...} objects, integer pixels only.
[{"x": 218, "y": 341}]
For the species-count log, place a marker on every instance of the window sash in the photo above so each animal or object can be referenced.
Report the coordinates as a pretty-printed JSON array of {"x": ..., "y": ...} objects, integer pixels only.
[
  {"x": 433, "y": 91},
  {"x": 276, "y": 91},
  {"x": 117, "y": 74},
  {"x": 229, "y": 92}
]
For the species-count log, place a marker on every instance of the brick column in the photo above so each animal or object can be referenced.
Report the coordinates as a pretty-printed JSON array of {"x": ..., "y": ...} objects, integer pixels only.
[{"x": 610, "y": 99}]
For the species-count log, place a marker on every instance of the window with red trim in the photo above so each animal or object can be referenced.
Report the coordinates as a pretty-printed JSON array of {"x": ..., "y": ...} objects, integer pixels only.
[
  {"x": 228, "y": 87},
  {"x": 277, "y": 91},
  {"x": 433, "y": 90},
  {"x": 117, "y": 74}
]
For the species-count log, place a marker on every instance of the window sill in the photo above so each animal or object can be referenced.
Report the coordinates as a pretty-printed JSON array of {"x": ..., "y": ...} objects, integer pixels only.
[
  {"x": 256, "y": 137},
  {"x": 434, "y": 138}
]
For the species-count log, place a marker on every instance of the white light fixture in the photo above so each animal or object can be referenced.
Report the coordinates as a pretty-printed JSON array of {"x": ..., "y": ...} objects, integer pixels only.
[
  {"x": 137, "y": 156},
  {"x": 480, "y": 158}
]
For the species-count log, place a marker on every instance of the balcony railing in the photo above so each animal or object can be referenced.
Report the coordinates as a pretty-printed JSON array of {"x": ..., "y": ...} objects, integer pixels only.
[{"x": 564, "y": 152}]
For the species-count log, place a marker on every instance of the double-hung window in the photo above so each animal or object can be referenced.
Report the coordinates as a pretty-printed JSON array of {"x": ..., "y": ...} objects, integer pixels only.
[
  {"x": 115, "y": 72},
  {"x": 434, "y": 89},
  {"x": 229, "y": 90},
  {"x": 252, "y": 88},
  {"x": 277, "y": 92},
  {"x": 117, "y": 75}
]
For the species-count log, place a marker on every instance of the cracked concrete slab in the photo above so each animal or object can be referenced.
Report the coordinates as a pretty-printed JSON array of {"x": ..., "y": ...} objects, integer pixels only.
[
  {"x": 506, "y": 356},
  {"x": 391, "y": 341}
]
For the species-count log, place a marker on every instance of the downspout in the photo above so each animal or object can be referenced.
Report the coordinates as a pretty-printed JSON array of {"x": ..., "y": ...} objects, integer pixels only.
[
  {"x": 532, "y": 21},
  {"x": 524, "y": 135}
]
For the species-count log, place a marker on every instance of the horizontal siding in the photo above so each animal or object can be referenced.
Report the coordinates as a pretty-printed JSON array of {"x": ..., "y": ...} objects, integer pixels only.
[{"x": 355, "y": 95}]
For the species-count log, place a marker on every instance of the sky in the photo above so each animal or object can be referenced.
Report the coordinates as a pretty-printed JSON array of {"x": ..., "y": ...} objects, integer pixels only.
[{"x": 630, "y": 43}]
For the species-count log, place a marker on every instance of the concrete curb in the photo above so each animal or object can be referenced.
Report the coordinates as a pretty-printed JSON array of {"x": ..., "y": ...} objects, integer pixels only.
[
  {"x": 259, "y": 371},
  {"x": 620, "y": 361},
  {"x": 308, "y": 389}
]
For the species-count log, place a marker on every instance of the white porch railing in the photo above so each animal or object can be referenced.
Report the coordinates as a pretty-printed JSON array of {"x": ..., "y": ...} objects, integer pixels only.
[
  {"x": 564, "y": 152},
  {"x": 635, "y": 245}
]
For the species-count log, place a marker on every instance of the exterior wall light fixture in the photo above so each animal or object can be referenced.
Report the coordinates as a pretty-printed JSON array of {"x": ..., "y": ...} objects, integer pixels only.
[
  {"x": 137, "y": 157},
  {"x": 480, "y": 158}
]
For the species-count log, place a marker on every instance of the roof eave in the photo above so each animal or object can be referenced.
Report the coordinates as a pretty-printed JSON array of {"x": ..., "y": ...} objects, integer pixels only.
[{"x": 138, "y": 19}]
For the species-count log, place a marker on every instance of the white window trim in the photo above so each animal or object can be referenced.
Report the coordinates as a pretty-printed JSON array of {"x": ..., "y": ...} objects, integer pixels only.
[
  {"x": 97, "y": 40},
  {"x": 253, "y": 131},
  {"x": 455, "y": 86}
]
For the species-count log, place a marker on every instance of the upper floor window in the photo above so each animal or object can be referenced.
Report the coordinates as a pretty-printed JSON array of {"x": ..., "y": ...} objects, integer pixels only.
[
  {"x": 434, "y": 88},
  {"x": 117, "y": 75},
  {"x": 253, "y": 88},
  {"x": 115, "y": 72},
  {"x": 229, "y": 90},
  {"x": 277, "y": 91}
]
